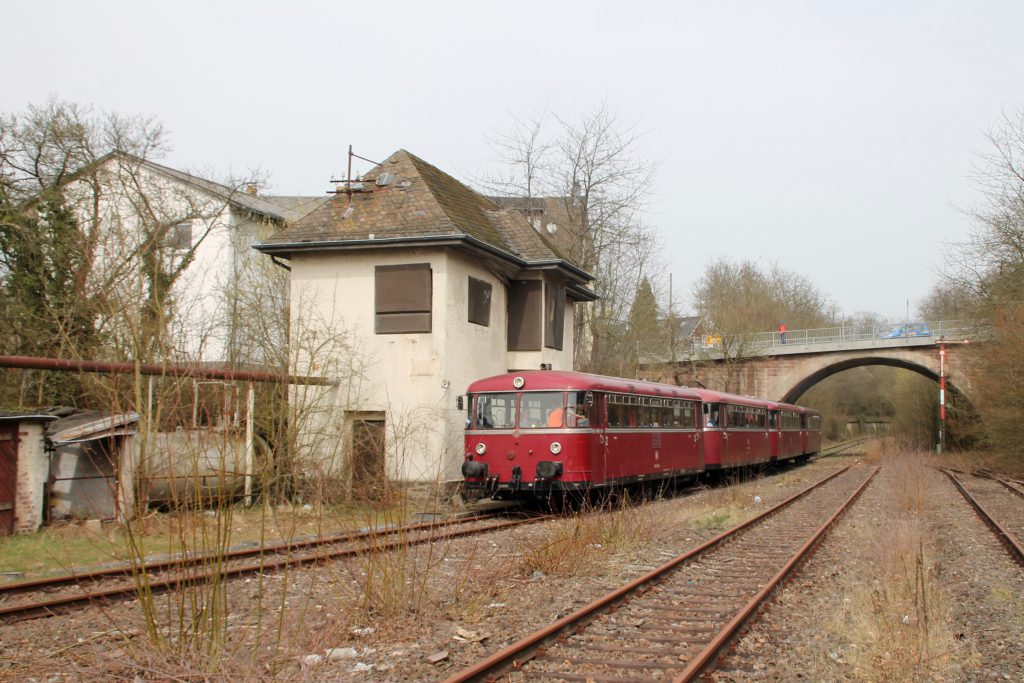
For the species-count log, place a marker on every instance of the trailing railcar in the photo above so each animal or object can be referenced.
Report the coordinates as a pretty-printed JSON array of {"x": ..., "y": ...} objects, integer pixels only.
[
  {"x": 535, "y": 433},
  {"x": 811, "y": 420},
  {"x": 788, "y": 433},
  {"x": 736, "y": 432}
]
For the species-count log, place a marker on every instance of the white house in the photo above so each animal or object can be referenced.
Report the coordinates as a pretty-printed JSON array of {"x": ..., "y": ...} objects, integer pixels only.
[
  {"x": 406, "y": 289},
  {"x": 130, "y": 207}
]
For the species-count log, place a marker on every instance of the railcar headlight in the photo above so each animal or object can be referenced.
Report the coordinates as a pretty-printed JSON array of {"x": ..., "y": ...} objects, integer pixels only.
[
  {"x": 548, "y": 470},
  {"x": 556, "y": 447},
  {"x": 518, "y": 382},
  {"x": 481, "y": 448}
]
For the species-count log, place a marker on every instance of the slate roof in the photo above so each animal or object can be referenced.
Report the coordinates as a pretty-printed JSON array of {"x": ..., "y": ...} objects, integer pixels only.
[
  {"x": 420, "y": 202},
  {"x": 280, "y": 208}
]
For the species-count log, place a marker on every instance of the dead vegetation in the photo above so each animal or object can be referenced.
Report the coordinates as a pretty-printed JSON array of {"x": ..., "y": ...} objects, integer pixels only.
[{"x": 894, "y": 622}]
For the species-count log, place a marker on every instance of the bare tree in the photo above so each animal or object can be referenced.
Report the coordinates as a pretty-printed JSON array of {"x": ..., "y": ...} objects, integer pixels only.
[
  {"x": 985, "y": 279},
  {"x": 593, "y": 169},
  {"x": 524, "y": 156},
  {"x": 98, "y": 244},
  {"x": 738, "y": 299}
]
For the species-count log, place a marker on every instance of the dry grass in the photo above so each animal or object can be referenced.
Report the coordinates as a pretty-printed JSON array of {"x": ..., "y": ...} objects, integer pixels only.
[
  {"x": 580, "y": 543},
  {"x": 896, "y": 625},
  {"x": 59, "y": 548}
]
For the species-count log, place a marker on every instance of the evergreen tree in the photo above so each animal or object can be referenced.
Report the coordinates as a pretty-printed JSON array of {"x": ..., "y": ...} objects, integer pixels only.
[{"x": 41, "y": 259}]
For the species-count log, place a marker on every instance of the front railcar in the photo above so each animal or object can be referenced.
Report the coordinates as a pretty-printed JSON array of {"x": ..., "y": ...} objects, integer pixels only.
[{"x": 531, "y": 434}]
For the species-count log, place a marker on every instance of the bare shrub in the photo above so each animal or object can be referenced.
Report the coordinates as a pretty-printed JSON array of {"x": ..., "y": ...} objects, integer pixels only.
[
  {"x": 898, "y": 624},
  {"x": 574, "y": 545}
]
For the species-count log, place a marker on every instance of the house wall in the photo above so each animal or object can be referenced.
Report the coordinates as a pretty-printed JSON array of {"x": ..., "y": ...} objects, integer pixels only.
[
  {"x": 199, "y": 321},
  {"x": 33, "y": 468},
  {"x": 413, "y": 379}
]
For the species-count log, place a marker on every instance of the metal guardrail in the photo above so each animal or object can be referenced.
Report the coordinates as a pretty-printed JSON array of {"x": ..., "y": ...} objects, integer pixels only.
[{"x": 794, "y": 341}]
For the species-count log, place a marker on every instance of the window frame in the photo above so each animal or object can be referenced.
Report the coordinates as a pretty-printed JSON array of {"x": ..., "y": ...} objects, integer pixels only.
[{"x": 403, "y": 307}]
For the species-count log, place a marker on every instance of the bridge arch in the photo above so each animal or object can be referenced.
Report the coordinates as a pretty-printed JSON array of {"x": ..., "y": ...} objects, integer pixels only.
[
  {"x": 803, "y": 385},
  {"x": 810, "y": 369}
]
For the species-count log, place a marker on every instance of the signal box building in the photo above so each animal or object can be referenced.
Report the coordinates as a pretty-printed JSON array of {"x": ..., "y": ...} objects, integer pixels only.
[{"x": 406, "y": 287}]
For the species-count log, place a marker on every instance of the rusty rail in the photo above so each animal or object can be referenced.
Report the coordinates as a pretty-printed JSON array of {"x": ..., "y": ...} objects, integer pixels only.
[
  {"x": 30, "y": 610},
  {"x": 1011, "y": 542},
  {"x": 704, "y": 660},
  {"x": 513, "y": 656}
]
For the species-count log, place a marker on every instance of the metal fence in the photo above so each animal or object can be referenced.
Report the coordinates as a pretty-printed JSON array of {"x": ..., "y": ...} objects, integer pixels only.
[
  {"x": 935, "y": 330},
  {"x": 762, "y": 343}
]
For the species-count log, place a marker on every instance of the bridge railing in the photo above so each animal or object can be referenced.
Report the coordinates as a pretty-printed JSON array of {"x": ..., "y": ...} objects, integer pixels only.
[{"x": 762, "y": 343}]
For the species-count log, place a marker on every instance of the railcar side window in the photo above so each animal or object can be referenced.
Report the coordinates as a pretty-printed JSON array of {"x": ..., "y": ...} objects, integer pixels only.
[
  {"x": 682, "y": 414},
  {"x": 578, "y": 413},
  {"x": 542, "y": 409},
  {"x": 746, "y": 417},
  {"x": 624, "y": 411},
  {"x": 712, "y": 415},
  {"x": 495, "y": 411}
]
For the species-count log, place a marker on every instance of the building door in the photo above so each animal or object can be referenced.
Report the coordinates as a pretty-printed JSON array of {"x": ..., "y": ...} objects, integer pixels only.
[
  {"x": 368, "y": 458},
  {"x": 8, "y": 475}
]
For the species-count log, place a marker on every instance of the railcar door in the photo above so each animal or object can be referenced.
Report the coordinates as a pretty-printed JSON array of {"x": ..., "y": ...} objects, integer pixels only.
[
  {"x": 776, "y": 448},
  {"x": 599, "y": 443},
  {"x": 8, "y": 475}
]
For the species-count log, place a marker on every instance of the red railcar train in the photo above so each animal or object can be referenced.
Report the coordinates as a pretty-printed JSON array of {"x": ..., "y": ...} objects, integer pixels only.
[{"x": 536, "y": 433}]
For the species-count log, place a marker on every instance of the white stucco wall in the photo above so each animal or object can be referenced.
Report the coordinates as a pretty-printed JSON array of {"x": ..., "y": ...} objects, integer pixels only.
[
  {"x": 413, "y": 379},
  {"x": 199, "y": 324}
]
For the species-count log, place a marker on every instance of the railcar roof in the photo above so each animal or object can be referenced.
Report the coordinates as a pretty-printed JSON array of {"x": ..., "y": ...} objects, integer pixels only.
[
  {"x": 709, "y": 396},
  {"x": 558, "y": 380}
]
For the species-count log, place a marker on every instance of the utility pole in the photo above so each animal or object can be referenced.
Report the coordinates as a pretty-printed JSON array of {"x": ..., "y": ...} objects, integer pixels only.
[
  {"x": 942, "y": 397},
  {"x": 942, "y": 390}
]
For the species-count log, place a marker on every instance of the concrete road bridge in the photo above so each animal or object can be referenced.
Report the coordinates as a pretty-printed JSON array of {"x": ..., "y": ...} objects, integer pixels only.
[{"x": 782, "y": 366}]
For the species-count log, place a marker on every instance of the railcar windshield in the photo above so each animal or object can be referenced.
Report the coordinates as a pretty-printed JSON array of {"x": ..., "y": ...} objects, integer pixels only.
[
  {"x": 536, "y": 410},
  {"x": 542, "y": 409},
  {"x": 494, "y": 411}
]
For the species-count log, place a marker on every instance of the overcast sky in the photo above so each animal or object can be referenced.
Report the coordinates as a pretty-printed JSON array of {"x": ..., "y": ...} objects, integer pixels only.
[{"x": 833, "y": 138}]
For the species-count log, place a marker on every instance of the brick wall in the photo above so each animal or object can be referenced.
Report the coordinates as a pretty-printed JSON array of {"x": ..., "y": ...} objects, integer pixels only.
[{"x": 33, "y": 469}]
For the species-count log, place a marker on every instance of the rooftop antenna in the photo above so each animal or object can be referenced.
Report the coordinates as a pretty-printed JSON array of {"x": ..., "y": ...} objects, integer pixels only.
[{"x": 351, "y": 185}]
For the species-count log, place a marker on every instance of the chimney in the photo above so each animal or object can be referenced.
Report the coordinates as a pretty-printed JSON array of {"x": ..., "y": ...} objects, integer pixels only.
[{"x": 253, "y": 189}]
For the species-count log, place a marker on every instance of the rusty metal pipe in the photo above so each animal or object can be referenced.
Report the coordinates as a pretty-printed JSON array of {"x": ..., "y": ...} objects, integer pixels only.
[{"x": 154, "y": 369}]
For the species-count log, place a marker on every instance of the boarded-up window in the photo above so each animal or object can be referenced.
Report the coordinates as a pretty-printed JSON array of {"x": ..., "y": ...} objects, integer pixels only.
[
  {"x": 402, "y": 296},
  {"x": 554, "y": 315},
  {"x": 479, "y": 302},
  {"x": 181, "y": 237},
  {"x": 524, "y": 315}
]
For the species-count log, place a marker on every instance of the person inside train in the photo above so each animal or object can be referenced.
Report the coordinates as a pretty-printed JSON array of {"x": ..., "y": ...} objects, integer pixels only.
[{"x": 555, "y": 417}]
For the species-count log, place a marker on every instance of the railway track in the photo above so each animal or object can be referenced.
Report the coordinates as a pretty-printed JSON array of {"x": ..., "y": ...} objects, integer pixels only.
[
  {"x": 1015, "y": 485},
  {"x": 837, "y": 449},
  {"x": 998, "y": 503},
  {"x": 672, "y": 623},
  {"x": 46, "y": 597}
]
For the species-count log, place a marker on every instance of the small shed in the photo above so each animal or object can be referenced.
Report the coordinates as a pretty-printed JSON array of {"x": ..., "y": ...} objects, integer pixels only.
[
  {"x": 92, "y": 469},
  {"x": 23, "y": 470}
]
